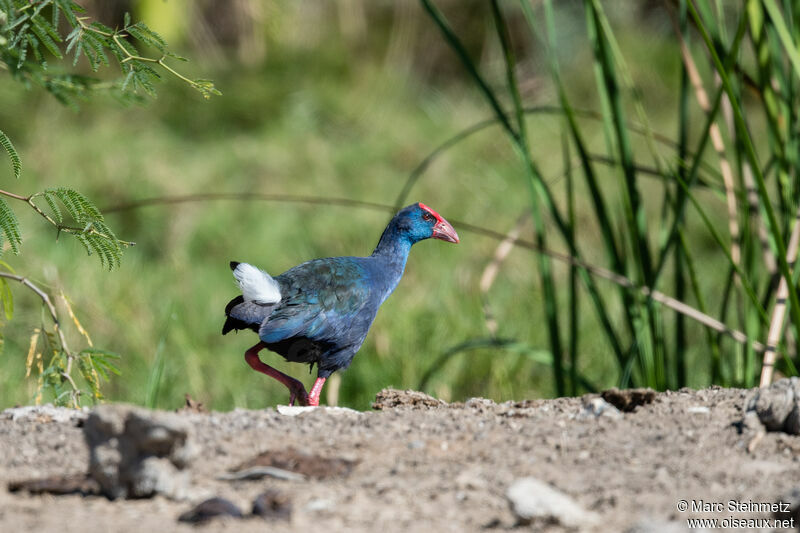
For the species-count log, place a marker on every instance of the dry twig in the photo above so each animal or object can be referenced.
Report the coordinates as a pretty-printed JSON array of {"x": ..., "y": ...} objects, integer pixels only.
[{"x": 779, "y": 312}]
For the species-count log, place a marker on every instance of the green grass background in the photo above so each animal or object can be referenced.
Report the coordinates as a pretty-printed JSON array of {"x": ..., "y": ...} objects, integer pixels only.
[{"x": 331, "y": 120}]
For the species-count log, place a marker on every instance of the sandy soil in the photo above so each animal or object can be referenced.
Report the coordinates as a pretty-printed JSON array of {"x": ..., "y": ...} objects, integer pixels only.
[{"x": 422, "y": 465}]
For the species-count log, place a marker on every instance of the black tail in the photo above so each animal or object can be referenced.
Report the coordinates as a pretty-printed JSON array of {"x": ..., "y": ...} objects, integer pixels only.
[
  {"x": 230, "y": 322},
  {"x": 233, "y": 324}
]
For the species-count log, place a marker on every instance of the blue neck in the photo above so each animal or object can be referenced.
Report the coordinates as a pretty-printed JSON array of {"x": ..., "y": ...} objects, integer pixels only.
[
  {"x": 393, "y": 246},
  {"x": 392, "y": 253}
]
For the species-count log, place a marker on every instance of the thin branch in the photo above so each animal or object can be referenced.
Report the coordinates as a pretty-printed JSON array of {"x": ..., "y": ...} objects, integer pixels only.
[
  {"x": 89, "y": 28},
  {"x": 72, "y": 229},
  {"x": 493, "y": 268},
  {"x": 66, "y": 374},
  {"x": 600, "y": 272},
  {"x": 118, "y": 36},
  {"x": 246, "y": 197},
  {"x": 61, "y": 227},
  {"x": 14, "y": 196},
  {"x": 44, "y": 297}
]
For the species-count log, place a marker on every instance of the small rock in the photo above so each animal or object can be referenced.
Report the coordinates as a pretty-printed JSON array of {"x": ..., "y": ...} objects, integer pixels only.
[
  {"x": 627, "y": 400},
  {"x": 393, "y": 398},
  {"x": 698, "y": 410},
  {"x": 531, "y": 499},
  {"x": 294, "y": 410},
  {"x": 136, "y": 453},
  {"x": 156, "y": 475},
  {"x": 777, "y": 406},
  {"x": 260, "y": 472},
  {"x": 597, "y": 407},
  {"x": 774, "y": 403},
  {"x": 209, "y": 509},
  {"x": 272, "y": 505}
]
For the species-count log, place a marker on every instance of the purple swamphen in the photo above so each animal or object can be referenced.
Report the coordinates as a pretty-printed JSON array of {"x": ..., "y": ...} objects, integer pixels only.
[{"x": 319, "y": 312}]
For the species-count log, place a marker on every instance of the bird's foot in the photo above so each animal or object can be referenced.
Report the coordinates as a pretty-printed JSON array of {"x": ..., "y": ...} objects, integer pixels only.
[{"x": 297, "y": 393}]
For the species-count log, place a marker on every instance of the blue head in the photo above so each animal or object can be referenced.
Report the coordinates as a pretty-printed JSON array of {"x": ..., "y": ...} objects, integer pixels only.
[{"x": 415, "y": 223}]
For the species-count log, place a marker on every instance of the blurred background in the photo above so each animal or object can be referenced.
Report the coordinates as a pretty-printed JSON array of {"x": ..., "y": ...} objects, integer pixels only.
[{"x": 335, "y": 100}]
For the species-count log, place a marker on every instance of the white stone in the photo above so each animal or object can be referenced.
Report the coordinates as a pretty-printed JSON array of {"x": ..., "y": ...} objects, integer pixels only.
[
  {"x": 532, "y": 499},
  {"x": 294, "y": 410}
]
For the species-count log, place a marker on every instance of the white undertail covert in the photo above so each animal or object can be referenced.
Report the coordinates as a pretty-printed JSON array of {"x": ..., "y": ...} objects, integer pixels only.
[{"x": 256, "y": 285}]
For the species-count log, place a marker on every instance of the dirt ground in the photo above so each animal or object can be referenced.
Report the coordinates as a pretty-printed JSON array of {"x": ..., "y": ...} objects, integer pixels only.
[{"x": 422, "y": 465}]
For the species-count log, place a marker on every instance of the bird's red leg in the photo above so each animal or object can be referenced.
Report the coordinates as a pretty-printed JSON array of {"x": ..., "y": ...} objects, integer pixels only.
[
  {"x": 296, "y": 389},
  {"x": 313, "y": 397}
]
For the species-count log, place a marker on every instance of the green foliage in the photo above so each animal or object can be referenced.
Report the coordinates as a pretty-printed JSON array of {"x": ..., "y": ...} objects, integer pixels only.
[
  {"x": 6, "y": 300},
  {"x": 95, "y": 365},
  {"x": 479, "y": 180},
  {"x": 16, "y": 164},
  {"x": 10, "y": 227},
  {"x": 52, "y": 378},
  {"x": 154, "y": 381},
  {"x": 30, "y": 32},
  {"x": 91, "y": 229},
  {"x": 54, "y": 361},
  {"x": 30, "y": 36},
  {"x": 85, "y": 223},
  {"x": 637, "y": 255}
]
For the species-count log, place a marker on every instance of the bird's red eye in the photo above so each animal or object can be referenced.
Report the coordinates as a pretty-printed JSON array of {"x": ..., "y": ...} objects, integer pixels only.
[{"x": 427, "y": 217}]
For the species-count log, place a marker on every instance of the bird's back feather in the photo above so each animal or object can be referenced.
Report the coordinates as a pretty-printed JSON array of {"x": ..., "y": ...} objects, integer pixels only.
[{"x": 319, "y": 298}]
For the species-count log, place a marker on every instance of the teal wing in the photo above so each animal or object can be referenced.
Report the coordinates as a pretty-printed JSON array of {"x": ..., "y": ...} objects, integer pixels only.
[{"x": 320, "y": 300}]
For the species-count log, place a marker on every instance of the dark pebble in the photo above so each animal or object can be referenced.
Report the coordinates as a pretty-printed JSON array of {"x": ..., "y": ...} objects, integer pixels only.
[{"x": 209, "y": 509}]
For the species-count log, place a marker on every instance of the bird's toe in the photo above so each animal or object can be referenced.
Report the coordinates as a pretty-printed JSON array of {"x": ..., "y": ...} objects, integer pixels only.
[{"x": 298, "y": 394}]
